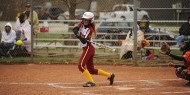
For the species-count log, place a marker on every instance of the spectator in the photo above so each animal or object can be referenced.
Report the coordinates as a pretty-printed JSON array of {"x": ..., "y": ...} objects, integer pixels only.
[
  {"x": 144, "y": 24},
  {"x": 35, "y": 17},
  {"x": 184, "y": 32},
  {"x": 24, "y": 29},
  {"x": 7, "y": 40},
  {"x": 43, "y": 15}
]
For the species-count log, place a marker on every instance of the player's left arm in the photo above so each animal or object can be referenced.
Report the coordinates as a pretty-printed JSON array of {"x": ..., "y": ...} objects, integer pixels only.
[{"x": 179, "y": 58}]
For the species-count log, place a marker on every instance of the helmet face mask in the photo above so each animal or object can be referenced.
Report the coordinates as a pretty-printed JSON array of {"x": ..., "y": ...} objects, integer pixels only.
[
  {"x": 185, "y": 44},
  {"x": 88, "y": 16}
]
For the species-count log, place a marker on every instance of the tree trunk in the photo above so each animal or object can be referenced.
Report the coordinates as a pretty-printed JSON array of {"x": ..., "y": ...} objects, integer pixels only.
[{"x": 72, "y": 8}]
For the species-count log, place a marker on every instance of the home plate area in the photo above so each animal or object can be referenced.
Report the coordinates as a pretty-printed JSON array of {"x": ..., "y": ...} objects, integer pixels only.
[
  {"x": 130, "y": 87},
  {"x": 67, "y": 80}
]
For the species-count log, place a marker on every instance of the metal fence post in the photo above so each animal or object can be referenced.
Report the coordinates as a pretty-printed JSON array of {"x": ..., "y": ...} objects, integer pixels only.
[
  {"x": 135, "y": 34},
  {"x": 32, "y": 31}
]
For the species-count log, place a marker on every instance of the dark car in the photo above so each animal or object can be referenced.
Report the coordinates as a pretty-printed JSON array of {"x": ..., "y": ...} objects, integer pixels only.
[
  {"x": 157, "y": 34},
  {"x": 54, "y": 12},
  {"x": 118, "y": 29},
  {"x": 51, "y": 13},
  {"x": 115, "y": 24},
  {"x": 42, "y": 12},
  {"x": 115, "y": 27}
]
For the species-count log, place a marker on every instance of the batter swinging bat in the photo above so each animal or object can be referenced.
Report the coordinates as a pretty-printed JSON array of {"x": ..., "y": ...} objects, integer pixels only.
[{"x": 102, "y": 46}]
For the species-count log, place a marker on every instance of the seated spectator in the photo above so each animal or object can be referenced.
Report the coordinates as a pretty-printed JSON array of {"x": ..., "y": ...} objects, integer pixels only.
[
  {"x": 43, "y": 15},
  {"x": 24, "y": 30},
  {"x": 184, "y": 32},
  {"x": 7, "y": 40}
]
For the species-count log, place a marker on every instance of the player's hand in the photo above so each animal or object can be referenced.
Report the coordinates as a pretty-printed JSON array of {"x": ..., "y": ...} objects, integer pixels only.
[
  {"x": 138, "y": 48},
  {"x": 171, "y": 64},
  {"x": 83, "y": 40}
]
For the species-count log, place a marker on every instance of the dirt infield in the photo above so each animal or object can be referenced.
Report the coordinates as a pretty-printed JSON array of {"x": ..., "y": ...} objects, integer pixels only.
[{"x": 35, "y": 79}]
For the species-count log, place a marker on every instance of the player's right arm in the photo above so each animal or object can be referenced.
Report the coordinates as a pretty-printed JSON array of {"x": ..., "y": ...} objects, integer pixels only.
[{"x": 77, "y": 34}]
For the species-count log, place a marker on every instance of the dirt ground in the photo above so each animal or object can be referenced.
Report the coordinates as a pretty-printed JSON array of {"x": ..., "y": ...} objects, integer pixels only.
[{"x": 34, "y": 79}]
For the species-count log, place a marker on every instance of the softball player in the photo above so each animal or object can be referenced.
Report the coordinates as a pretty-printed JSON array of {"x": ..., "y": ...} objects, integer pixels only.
[
  {"x": 182, "y": 71},
  {"x": 83, "y": 32}
]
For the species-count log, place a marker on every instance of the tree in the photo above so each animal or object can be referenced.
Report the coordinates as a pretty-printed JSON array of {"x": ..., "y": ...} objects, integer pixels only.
[
  {"x": 71, "y": 5},
  {"x": 8, "y": 9}
]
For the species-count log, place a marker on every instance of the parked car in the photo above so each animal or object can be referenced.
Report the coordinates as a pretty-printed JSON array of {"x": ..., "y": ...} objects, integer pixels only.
[
  {"x": 51, "y": 13},
  {"x": 114, "y": 26},
  {"x": 123, "y": 27},
  {"x": 78, "y": 14},
  {"x": 124, "y": 11},
  {"x": 54, "y": 12},
  {"x": 42, "y": 12}
]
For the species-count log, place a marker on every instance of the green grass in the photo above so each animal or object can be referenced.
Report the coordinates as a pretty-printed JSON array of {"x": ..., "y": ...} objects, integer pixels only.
[
  {"x": 74, "y": 60},
  {"x": 57, "y": 60}
]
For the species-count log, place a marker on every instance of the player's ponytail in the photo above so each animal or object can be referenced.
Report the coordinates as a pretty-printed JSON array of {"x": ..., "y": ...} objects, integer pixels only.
[{"x": 93, "y": 25}]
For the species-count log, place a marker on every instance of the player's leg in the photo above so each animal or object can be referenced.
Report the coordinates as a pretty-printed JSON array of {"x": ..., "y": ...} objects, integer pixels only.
[
  {"x": 81, "y": 65},
  {"x": 27, "y": 45},
  {"x": 90, "y": 82},
  {"x": 179, "y": 71},
  {"x": 2, "y": 53},
  {"x": 185, "y": 75},
  {"x": 92, "y": 70},
  {"x": 179, "y": 39}
]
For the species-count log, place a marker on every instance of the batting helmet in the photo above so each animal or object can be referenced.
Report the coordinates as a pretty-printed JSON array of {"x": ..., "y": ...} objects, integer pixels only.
[{"x": 89, "y": 16}]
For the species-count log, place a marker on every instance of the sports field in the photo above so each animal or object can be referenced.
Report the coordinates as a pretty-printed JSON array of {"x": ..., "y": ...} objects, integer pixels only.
[{"x": 33, "y": 79}]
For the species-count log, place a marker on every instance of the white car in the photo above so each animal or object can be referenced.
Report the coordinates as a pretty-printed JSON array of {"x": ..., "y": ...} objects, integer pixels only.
[
  {"x": 124, "y": 11},
  {"x": 78, "y": 14}
]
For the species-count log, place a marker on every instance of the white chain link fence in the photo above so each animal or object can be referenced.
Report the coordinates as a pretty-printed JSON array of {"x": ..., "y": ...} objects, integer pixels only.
[{"x": 114, "y": 20}]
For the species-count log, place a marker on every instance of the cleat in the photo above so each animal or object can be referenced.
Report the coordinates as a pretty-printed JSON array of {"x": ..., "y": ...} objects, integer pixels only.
[
  {"x": 89, "y": 84},
  {"x": 111, "y": 78}
]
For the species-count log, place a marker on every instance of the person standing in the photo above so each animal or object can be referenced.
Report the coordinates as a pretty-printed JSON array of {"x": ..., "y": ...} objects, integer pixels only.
[
  {"x": 184, "y": 32},
  {"x": 35, "y": 17},
  {"x": 84, "y": 32}
]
